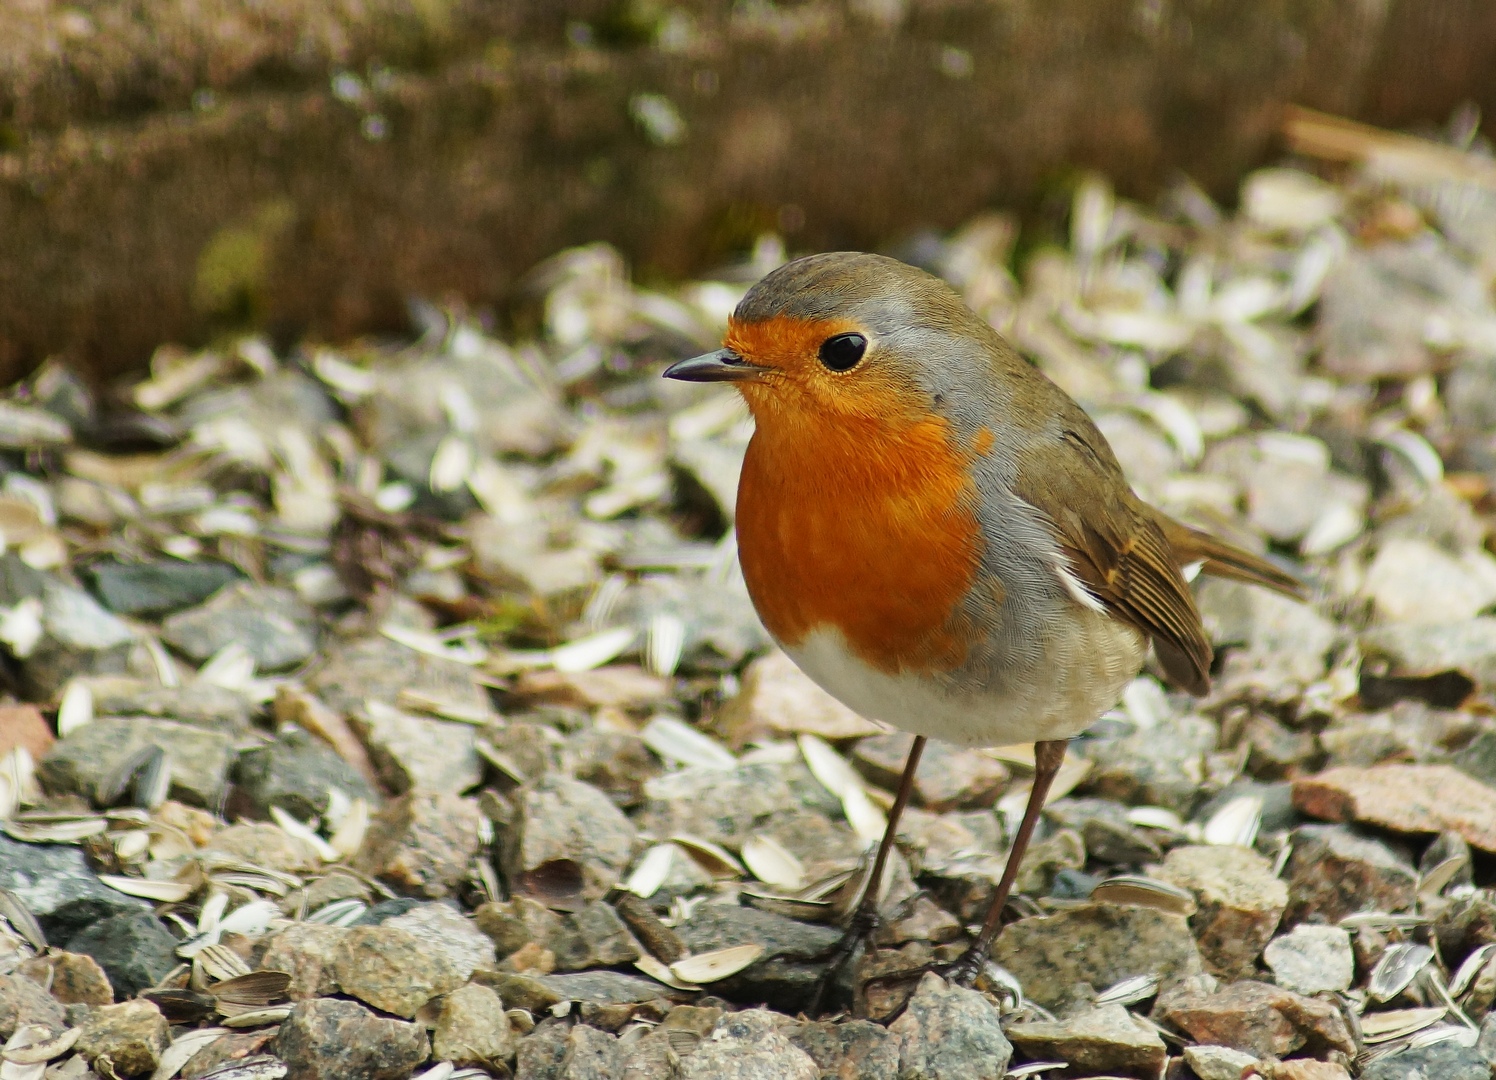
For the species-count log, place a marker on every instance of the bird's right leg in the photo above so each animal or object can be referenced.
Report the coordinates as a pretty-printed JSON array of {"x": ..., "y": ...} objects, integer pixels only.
[{"x": 864, "y": 920}]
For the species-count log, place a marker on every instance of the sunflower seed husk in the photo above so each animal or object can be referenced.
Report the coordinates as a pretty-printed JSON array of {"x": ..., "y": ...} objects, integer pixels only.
[
  {"x": 1382, "y": 1027},
  {"x": 299, "y": 829},
  {"x": 1129, "y": 991},
  {"x": 115, "y": 783},
  {"x": 442, "y": 1070},
  {"x": 259, "y": 1067},
  {"x": 664, "y": 642},
  {"x": 1432, "y": 883},
  {"x": 255, "y": 988},
  {"x": 40, "y": 1049},
  {"x": 714, "y": 858},
  {"x": 339, "y": 913},
  {"x": 421, "y": 701},
  {"x": 593, "y": 651},
  {"x": 772, "y": 863},
  {"x": 651, "y": 871},
  {"x": 710, "y": 967},
  {"x": 221, "y": 963},
  {"x": 181, "y": 1006},
  {"x": 182, "y": 1049},
  {"x": 1470, "y": 967},
  {"x": 1396, "y": 970},
  {"x": 1144, "y": 892},
  {"x": 131, "y": 844},
  {"x": 660, "y": 972},
  {"x": 258, "y": 1017},
  {"x": 163, "y": 892},
  {"x": 63, "y": 830},
  {"x": 1236, "y": 823},
  {"x": 1034, "y": 1068},
  {"x": 15, "y": 912},
  {"x": 679, "y": 742},
  {"x": 349, "y": 835},
  {"x": 833, "y": 771},
  {"x": 76, "y": 708}
]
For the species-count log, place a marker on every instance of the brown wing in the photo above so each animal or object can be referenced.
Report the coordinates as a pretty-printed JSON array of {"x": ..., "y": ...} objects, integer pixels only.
[
  {"x": 1117, "y": 547},
  {"x": 1220, "y": 559}
]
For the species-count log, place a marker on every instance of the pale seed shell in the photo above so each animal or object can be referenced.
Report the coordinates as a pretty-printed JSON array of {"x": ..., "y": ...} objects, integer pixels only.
[
  {"x": 772, "y": 863},
  {"x": 163, "y": 892},
  {"x": 1144, "y": 892},
  {"x": 677, "y": 741},
  {"x": 710, "y": 967}
]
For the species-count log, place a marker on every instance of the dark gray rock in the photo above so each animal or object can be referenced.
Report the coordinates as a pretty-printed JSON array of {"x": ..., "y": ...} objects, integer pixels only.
[
  {"x": 793, "y": 960},
  {"x": 376, "y": 667},
  {"x": 152, "y": 589},
  {"x": 567, "y": 837},
  {"x": 200, "y": 759},
  {"x": 950, "y": 1033},
  {"x": 275, "y": 625},
  {"x": 79, "y": 638},
  {"x": 56, "y": 885},
  {"x": 198, "y": 703},
  {"x": 602, "y": 988},
  {"x": 332, "y": 1039},
  {"x": 135, "y": 950},
  {"x": 295, "y": 772},
  {"x": 593, "y": 937}
]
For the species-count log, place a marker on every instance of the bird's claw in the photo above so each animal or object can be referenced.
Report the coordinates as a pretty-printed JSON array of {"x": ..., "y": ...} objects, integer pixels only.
[{"x": 860, "y": 929}]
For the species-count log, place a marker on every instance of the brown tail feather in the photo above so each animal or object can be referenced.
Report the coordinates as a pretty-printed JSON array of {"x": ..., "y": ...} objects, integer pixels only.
[{"x": 1224, "y": 560}]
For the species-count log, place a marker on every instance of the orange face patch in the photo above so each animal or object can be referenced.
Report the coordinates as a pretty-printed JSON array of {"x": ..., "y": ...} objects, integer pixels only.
[{"x": 855, "y": 511}]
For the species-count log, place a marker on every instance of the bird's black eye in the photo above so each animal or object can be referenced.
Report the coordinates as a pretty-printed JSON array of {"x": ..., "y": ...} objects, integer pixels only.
[{"x": 841, "y": 353}]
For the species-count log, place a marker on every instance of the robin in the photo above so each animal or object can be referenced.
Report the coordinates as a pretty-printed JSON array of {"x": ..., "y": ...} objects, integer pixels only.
[{"x": 939, "y": 536}]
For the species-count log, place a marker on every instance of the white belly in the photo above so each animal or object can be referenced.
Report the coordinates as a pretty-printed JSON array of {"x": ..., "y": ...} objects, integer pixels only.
[{"x": 1082, "y": 675}]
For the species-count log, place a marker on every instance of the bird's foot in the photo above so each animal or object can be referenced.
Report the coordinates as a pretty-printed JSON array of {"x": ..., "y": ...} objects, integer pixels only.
[{"x": 859, "y": 931}]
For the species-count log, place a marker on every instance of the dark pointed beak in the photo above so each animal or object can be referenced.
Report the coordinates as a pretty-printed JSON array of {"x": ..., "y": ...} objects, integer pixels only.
[{"x": 724, "y": 365}]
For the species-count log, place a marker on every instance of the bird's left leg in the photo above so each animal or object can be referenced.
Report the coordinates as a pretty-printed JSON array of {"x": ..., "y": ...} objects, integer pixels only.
[{"x": 864, "y": 920}]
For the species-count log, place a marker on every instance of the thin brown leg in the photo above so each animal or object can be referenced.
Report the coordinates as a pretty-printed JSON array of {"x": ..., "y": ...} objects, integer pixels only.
[
  {"x": 865, "y": 918},
  {"x": 1048, "y": 757}
]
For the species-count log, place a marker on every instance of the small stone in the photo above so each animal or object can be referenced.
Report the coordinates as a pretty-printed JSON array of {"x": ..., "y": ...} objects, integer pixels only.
[
  {"x": 849, "y": 1049},
  {"x": 274, "y": 625},
  {"x": 1417, "y": 649},
  {"x": 73, "y": 978},
  {"x": 1403, "y": 798},
  {"x": 130, "y": 1035},
  {"x": 792, "y": 963},
  {"x": 1105, "y": 1040},
  {"x": 1256, "y": 1018},
  {"x": 473, "y": 1029},
  {"x": 1303, "y": 1069},
  {"x": 569, "y": 836},
  {"x": 1240, "y": 902},
  {"x": 520, "y": 991},
  {"x": 514, "y": 923},
  {"x": 590, "y": 1054},
  {"x": 923, "y": 920},
  {"x": 778, "y": 698},
  {"x": 413, "y": 753},
  {"x": 1042, "y": 863},
  {"x": 1414, "y": 580},
  {"x": 616, "y": 686},
  {"x": 446, "y": 931},
  {"x": 201, "y": 704},
  {"x": 617, "y": 763},
  {"x": 1312, "y": 959},
  {"x": 1442, "y": 1061},
  {"x": 56, "y": 885},
  {"x": 226, "y": 1050},
  {"x": 1162, "y": 766},
  {"x": 392, "y": 969},
  {"x": 25, "y": 726},
  {"x": 24, "y": 1002},
  {"x": 720, "y": 805},
  {"x": 651, "y": 1057},
  {"x": 948, "y": 778},
  {"x": 153, "y": 589},
  {"x": 540, "y": 1053},
  {"x": 199, "y": 759},
  {"x": 355, "y": 671},
  {"x": 1275, "y": 637},
  {"x": 1095, "y": 943},
  {"x": 79, "y": 638},
  {"x": 135, "y": 950},
  {"x": 422, "y": 843},
  {"x": 260, "y": 843},
  {"x": 296, "y": 772},
  {"x": 950, "y": 1033},
  {"x": 748, "y": 1046},
  {"x": 1105, "y": 830},
  {"x": 1217, "y": 1062},
  {"x": 333, "y": 1039},
  {"x": 594, "y": 937},
  {"x": 1333, "y": 873},
  {"x": 600, "y": 988},
  {"x": 305, "y": 951}
]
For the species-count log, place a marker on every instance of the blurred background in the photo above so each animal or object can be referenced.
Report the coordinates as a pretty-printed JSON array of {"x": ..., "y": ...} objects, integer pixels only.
[{"x": 174, "y": 169}]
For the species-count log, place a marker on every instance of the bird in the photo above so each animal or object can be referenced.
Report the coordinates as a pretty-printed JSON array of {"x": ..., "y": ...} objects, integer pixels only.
[{"x": 941, "y": 537}]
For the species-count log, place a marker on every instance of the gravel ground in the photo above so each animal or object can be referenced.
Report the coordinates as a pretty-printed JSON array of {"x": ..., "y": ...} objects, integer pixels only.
[{"x": 397, "y": 708}]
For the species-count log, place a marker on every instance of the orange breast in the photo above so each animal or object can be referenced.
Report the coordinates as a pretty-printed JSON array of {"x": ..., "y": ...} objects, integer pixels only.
[{"x": 866, "y": 528}]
